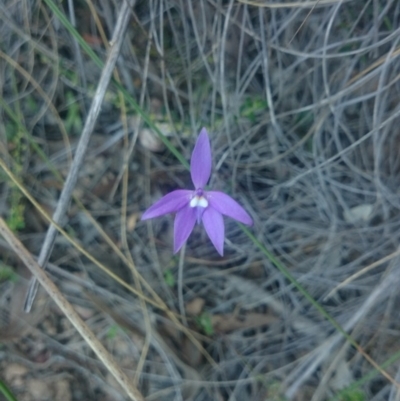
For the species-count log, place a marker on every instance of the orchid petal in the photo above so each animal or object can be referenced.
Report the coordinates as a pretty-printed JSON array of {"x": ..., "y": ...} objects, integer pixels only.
[
  {"x": 170, "y": 203},
  {"x": 184, "y": 223},
  {"x": 200, "y": 163},
  {"x": 214, "y": 225},
  {"x": 224, "y": 204}
]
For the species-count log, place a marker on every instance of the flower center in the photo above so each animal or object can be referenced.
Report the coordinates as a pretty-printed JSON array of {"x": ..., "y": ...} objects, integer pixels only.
[{"x": 198, "y": 201}]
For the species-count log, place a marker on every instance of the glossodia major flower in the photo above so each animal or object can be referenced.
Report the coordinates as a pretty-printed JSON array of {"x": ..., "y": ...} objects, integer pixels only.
[{"x": 199, "y": 205}]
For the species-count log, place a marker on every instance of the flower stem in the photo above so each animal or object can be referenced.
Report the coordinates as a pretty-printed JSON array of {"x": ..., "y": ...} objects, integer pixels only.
[{"x": 180, "y": 284}]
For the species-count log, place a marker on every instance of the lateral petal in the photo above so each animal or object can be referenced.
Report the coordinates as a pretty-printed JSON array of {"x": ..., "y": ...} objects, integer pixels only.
[
  {"x": 214, "y": 225},
  {"x": 201, "y": 162},
  {"x": 224, "y": 204},
  {"x": 170, "y": 203},
  {"x": 184, "y": 222}
]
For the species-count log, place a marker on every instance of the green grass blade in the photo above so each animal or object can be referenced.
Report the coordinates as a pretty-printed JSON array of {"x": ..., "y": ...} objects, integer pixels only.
[{"x": 7, "y": 392}]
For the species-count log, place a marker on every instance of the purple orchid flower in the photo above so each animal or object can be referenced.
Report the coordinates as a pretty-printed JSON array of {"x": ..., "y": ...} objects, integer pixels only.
[{"x": 199, "y": 205}]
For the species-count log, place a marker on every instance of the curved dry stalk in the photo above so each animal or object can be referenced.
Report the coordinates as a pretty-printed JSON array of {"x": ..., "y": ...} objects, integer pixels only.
[
  {"x": 69, "y": 312},
  {"x": 364, "y": 270},
  {"x": 294, "y": 4}
]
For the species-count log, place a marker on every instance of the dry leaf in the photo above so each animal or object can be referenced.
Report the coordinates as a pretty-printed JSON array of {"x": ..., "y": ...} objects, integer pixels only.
[
  {"x": 195, "y": 306},
  {"x": 343, "y": 376},
  {"x": 150, "y": 140},
  {"x": 38, "y": 389},
  {"x": 131, "y": 222},
  {"x": 62, "y": 390},
  {"x": 14, "y": 374},
  {"x": 358, "y": 213},
  {"x": 191, "y": 353}
]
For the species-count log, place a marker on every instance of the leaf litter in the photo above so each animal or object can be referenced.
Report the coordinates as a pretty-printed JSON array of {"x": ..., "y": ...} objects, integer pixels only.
[{"x": 303, "y": 124}]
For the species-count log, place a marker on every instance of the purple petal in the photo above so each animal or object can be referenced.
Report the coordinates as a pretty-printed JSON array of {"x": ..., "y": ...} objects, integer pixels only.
[
  {"x": 184, "y": 223},
  {"x": 214, "y": 225},
  {"x": 169, "y": 203},
  {"x": 200, "y": 163},
  {"x": 224, "y": 204}
]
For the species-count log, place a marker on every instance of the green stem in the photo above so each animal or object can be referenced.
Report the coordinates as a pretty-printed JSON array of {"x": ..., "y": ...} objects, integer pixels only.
[{"x": 7, "y": 392}]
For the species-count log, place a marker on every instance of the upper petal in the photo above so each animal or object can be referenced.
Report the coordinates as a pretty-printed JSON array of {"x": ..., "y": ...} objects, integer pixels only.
[
  {"x": 224, "y": 204},
  {"x": 214, "y": 225},
  {"x": 184, "y": 223},
  {"x": 169, "y": 203},
  {"x": 200, "y": 163}
]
